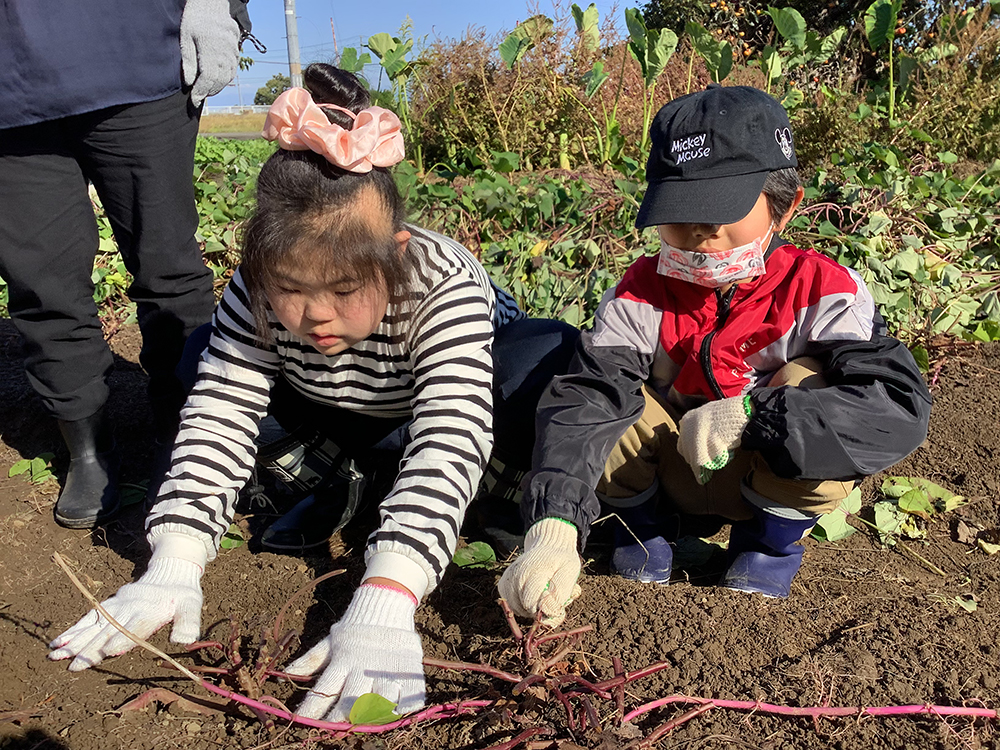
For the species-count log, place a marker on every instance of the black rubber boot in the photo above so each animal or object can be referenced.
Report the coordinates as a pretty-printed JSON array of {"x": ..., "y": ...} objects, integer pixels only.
[{"x": 90, "y": 495}]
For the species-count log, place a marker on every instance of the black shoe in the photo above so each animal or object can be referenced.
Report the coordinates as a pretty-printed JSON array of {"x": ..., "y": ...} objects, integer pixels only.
[
  {"x": 319, "y": 515},
  {"x": 90, "y": 495}
]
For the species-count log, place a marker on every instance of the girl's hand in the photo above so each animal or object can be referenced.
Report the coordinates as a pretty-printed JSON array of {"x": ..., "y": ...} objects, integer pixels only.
[
  {"x": 544, "y": 577},
  {"x": 710, "y": 434},
  {"x": 374, "y": 648},
  {"x": 169, "y": 590}
]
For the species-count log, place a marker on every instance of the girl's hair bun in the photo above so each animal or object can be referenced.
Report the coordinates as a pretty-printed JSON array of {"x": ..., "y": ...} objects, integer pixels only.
[{"x": 328, "y": 84}]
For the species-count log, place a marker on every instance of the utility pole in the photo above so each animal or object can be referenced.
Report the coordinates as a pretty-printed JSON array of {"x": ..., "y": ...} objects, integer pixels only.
[
  {"x": 292, "y": 34},
  {"x": 333, "y": 31}
]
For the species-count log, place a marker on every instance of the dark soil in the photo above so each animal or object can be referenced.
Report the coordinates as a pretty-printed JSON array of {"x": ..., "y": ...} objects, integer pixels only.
[{"x": 865, "y": 626}]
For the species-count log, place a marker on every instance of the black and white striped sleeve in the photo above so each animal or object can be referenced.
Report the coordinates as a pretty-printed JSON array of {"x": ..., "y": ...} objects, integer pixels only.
[
  {"x": 451, "y": 436},
  {"x": 214, "y": 452}
]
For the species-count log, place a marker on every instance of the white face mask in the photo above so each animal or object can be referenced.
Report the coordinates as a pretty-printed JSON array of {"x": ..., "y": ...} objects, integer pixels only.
[{"x": 714, "y": 269}]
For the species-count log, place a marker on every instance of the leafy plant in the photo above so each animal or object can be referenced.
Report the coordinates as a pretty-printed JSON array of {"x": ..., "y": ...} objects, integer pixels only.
[
  {"x": 37, "y": 470},
  {"x": 523, "y": 38},
  {"x": 717, "y": 53},
  {"x": 400, "y": 66},
  {"x": 652, "y": 48},
  {"x": 881, "y": 21}
]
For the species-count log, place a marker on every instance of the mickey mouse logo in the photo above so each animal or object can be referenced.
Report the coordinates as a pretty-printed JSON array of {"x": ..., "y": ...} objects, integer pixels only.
[{"x": 784, "y": 138}]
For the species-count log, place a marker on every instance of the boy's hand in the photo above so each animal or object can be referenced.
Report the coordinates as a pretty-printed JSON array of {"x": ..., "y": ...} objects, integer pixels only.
[
  {"x": 544, "y": 577},
  {"x": 373, "y": 648},
  {"x": 711, "y": 433}
]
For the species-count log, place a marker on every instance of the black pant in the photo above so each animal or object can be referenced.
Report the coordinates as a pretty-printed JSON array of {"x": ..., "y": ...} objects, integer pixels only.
[{"x": 140, "y": 158}]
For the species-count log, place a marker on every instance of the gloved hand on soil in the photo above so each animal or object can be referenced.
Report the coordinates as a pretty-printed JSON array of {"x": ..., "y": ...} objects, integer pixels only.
[
  {"x": 373, "y": 648},
  {"x": 169, "y": 590},
  {"x": 709, "y": 435},
  {"x": 544, "y": 577},
  {"x": 210, "y": 51}
]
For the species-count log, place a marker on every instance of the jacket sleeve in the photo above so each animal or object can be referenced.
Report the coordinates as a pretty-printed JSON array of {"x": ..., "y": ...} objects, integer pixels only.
[
  {"x": 583, "y": 413},
  {"x": 873, "y": 413}
]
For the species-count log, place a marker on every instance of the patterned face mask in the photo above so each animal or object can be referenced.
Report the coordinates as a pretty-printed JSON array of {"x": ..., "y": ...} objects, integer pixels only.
[{"x": 714, "y": 269}]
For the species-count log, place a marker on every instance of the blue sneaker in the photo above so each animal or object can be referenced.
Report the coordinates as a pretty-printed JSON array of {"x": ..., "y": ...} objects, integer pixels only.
[{"x": 765, "y": 554}]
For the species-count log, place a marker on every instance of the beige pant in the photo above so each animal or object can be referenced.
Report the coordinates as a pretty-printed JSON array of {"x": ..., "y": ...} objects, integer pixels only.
[{"x": 648, "y": 451}]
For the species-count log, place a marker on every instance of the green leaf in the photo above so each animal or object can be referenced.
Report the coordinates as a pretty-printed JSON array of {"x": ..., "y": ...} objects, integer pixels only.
[
  {"x": 513, "y": 48},
  {"x": 475, "y": 555},
  {"x": 131, "y": 494},
  {"x": 880, "y": 22},
  {"x": 351, "y": 61},
  {"x": 725, "y": 62},
  {"x": 703, "y": 43},
  {"x": 505, "y": 161},
  {"x": 921, "y": 357},
  {"x": 967, "y": 602},
  {"x": 830, "y": 43},
  {"x": 381, "y": 44},
  {"x": 834, "y": 526},
  {"x": 372, "y": 709},
  {"x": 770, "y": 63},
  {"x": 586, "y": 25},
  {"x": 661, "y": 47},
  {"x": 793, "y": 99},
  {"x": 636, "y": 30},
  {"x": 888, "y": 519},
  {"x": 594, "y": 78},
  {"x": 233, "y": 538},
  {"x": 38, "y": 465},
  {"x": 19, "y": 467},
  {"x": 916, "y": 502},
  {"x": 790, "y": 24}
]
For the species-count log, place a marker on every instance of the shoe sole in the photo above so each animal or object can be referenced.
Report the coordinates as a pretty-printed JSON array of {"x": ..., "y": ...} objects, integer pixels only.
[{"x": 87, "y": 523}]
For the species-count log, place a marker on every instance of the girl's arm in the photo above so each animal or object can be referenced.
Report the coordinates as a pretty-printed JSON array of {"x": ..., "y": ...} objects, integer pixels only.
[
  {"x": 214, "y": 452},
  {"x": 451, "y": 436}
]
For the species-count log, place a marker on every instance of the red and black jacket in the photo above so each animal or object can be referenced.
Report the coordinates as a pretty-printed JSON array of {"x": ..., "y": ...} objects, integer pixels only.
[{"x": 695, "y": 344}]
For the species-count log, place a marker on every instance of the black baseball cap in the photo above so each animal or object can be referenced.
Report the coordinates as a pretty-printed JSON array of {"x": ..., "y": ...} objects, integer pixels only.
[{"x": 711, "y": 152}]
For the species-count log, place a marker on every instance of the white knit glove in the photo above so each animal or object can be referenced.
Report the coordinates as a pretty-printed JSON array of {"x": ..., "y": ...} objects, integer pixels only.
[
  {"x": 710, "y": 434},
  {"x": 374, "y": 648},
  {"x": 169, "y": 590},
  {"x": 210, "y": 47},
  {"x": 544, "y": 577}
]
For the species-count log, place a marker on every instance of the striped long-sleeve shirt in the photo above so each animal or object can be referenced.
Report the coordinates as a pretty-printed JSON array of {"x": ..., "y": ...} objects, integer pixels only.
[{"x": 429, "y": 358}]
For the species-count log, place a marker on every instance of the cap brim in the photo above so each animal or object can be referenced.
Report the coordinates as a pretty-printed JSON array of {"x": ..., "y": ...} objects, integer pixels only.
[{"x": 719, "y": 200}]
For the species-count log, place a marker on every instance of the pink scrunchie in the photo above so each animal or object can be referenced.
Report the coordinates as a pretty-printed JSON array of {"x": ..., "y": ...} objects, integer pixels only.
[{"x": 297, "y": 123}]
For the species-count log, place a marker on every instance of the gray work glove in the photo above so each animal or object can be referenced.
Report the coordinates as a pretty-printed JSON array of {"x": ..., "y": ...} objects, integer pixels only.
[{"x": 210, "y": 51}]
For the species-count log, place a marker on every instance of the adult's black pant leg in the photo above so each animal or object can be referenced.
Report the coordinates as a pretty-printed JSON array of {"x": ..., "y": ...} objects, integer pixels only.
[
  {"x": 140, "y": 158},
  {"x": 48, "y": 240}
]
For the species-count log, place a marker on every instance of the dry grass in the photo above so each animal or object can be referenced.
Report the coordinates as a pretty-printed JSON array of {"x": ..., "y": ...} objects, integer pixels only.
[{"x": 247, "y": 123}]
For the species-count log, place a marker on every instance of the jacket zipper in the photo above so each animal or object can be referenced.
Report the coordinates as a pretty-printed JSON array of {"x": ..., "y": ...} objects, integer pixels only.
[{"x": 723, "y": 302}]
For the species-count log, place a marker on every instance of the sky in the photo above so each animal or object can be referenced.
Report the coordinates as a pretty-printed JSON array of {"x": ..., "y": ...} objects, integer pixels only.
[{"x": 354, "y": 21}]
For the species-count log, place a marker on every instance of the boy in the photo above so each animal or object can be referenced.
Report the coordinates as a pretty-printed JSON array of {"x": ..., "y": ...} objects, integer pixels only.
[{"x": 735, "y": 375}]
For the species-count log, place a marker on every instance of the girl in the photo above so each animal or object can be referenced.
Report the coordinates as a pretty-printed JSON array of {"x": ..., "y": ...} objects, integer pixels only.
[{"x": 375, "y": 331}]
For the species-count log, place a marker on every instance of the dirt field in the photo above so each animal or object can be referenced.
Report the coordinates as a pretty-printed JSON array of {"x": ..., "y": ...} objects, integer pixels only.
[{"x": 865, "y": 625}]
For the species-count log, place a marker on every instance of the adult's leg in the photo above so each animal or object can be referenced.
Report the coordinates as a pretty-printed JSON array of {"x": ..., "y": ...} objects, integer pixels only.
[
  {"x": 48, "y": 239},
  {"x": 140, "y": 158}
]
